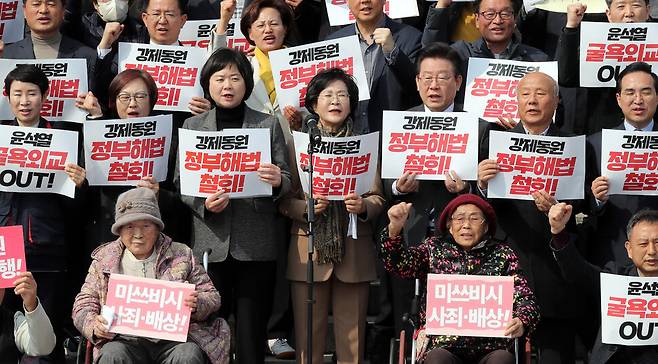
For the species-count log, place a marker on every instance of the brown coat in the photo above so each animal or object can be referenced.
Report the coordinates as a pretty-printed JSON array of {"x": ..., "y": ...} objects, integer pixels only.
[{"x": 358, "y": 263}]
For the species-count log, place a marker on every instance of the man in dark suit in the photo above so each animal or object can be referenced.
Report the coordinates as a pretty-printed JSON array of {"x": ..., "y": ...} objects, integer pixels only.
[
  {"x": 642, "y": 249},
  {"x": 44, "y": 41},
  {"x": 389, "y": 50},
  {"x": 523, "y": 224},
  {"x": 637, "y": 99},
  {"x": 438, "y": 78}
]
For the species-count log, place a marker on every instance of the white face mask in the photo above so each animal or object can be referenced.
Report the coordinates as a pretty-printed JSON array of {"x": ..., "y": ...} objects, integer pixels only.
[{"x": 113, "y": 10}]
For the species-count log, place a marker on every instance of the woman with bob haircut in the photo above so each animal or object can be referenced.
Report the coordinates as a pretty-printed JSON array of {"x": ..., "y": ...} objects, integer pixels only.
[
  {"x": 240, "y": 232},
  {"x": 343, "y": 266},
  {"x": 268, "y": 26}
]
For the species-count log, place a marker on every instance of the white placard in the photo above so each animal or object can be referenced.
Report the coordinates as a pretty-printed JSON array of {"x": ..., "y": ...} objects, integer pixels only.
[
  {"x": 630, "y": 161},
  {"x": 33, "y": 159},
  {"x": 341, "y": 165},
  {"x": 339, "y": 13},
  {"x": 491, "y": 86},
  {"x": 430, "y": 144},
  {"x": 175, "y": 69},
  {"x": 228, "y": 160},
  {"x": 67, "y": 79},
  {"x": 529, "y": 163},
  {"x": 12, "y": 21},
  {"x": 606, "y": 49},
  {"x": 123, "y": 151}
]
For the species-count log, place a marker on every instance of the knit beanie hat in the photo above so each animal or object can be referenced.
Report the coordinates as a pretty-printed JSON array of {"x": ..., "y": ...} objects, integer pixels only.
[
  {"x": 137, "y": 204},
  {"x": 465, "y": 199}
]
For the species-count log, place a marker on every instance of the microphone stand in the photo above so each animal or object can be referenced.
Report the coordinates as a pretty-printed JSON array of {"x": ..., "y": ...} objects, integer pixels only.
[{"x": 314, "y": 140}]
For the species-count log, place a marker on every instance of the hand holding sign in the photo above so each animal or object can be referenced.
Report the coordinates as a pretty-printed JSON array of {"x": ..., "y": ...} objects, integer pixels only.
[
  {"x": 150, "y": 183},
  {"x": 384, "y": 38},
  {"x": 442, "y": 4},
  {"x": 2, "y": 47},
  {"x": 558, "y": 216},
  {"x": 543, "y": 200},
  {"x": 600, "y": 188},
  {"x": 26, "y": 287},
  {"x": 76, "y": 173},
  {"x": 514, "y": 328},
  {"x": 397, "y": 216},
  {"x": 487, "y": 169},
  {"x": 100, "y": 329},
  {"x": 407, "y": 183},
  {"x": 293, "y": 116},
  {"x": 321, "y": 204},
  {"x": 454, "y": 183},
  {"x": 217, "y": 202},
  {"x": 354, "y": 204},
  {"x": 191, "y": 300},
  {"x": 270, "y": 173},
  {"x": 575, "y": 14},
  {"x": 198, "y": 105}
]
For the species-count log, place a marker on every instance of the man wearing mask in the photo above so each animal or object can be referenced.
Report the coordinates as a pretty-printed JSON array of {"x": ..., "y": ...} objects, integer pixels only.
[
  {"x": 637, "y": 99},
  {"x": 45, "y": 41},
  {"x": 389, "y": 50},
  {"x": 602, "y": 111},
  {"x": 108, "y": 17},
  {"x": 641, "y": 247}
]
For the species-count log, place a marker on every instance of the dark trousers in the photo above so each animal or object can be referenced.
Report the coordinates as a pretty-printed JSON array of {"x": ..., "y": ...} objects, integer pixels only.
[
  {"x": 280, "y": 324},
  {"x": 442, "y": 356},
  {"x": 143, "y": 351},
  {"x": 246, "y": 289}
]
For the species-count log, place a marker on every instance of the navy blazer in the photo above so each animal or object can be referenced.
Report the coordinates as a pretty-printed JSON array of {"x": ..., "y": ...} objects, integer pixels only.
[
  {"x": 68, "y": 48},
  {"x": 393, "y": 86},
  {"x": 610, "y": 234}
]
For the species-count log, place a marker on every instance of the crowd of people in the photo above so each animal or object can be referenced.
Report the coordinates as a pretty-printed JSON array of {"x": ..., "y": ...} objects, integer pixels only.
[{"x": 256, "y": 248}]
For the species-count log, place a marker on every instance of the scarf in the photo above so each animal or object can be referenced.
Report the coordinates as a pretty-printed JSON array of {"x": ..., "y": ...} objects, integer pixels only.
[
  {"x": 331, "y": 227},
  {"x": 265, "y": 73}
]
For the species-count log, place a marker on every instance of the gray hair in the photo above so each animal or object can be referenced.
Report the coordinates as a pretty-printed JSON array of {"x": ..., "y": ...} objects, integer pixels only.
[{"x": 646, "y": 215}]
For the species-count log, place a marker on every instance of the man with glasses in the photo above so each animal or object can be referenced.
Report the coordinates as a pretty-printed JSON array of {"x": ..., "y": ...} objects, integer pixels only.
[
  {"x": 496, "y": 22},
  {"x": 523, "y": 224}
]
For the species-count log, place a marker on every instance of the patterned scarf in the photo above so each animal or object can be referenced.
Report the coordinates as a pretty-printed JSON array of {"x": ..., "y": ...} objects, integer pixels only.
[{"x": 331, "y": 227}]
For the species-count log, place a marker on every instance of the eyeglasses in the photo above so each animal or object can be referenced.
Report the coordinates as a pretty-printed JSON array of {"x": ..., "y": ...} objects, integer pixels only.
[
  {"x": 139, "y": 97},
  {"x": 473, "y": 219},
  {"x": 491, "y": 15},
  {"x": 168, "y": 15},
  {"x": 440, "y": 79},
  {"x": 328, "y": 97}
]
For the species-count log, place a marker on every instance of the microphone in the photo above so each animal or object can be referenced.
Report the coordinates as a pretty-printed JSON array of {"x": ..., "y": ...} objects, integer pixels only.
[{"x": 310, "y": 123}]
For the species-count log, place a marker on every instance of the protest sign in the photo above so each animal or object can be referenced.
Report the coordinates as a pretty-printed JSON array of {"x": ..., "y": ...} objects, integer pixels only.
[
  {"x": 629, "y": 310},
  {"x": 67, "y": 79},
  {"x": 607, "y": 48},
  {"x": 175, "y": 69},
  {"x": 560, "y": 6},
  {"x": 123, "y": 151},
  {"x": 12, "y": 21},
  {"x": 429, "y": 144},
  {"x": 491, "y": 86},
  {"x": 468, "y": 305},
  {"x": 228, "y": 160},
  {"x": 530, "y": 163},
  {"x": 630, "y": 161},
  {"x": 340, "y": 165},
  {"x": 33, "y": 160},
  {"x": 339, "y": 13},
  {"x": 197, "y": 33},
  {"x": 12, "y": 254},
  {"x": 294, "y": 67},
  {"x": 148, "y": 307}
]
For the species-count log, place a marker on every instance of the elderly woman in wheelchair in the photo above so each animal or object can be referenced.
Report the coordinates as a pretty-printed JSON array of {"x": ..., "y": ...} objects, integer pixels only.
[
  {"x": 463, "y": 245},
  {"x": 143, "y": 250}
]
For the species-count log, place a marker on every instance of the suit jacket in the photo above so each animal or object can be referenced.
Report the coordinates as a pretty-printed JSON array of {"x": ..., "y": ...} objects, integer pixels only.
[
  {"x": 393, "y": 83},
  {"x": 246, "y": 229},
  {"x": 527, "y": 230},
  {"x": 68, "y": 48},
  {"x": 358, "y": 264},
  {"x": 611, "y": 218},
  {"x": 586, "y": 276}
]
